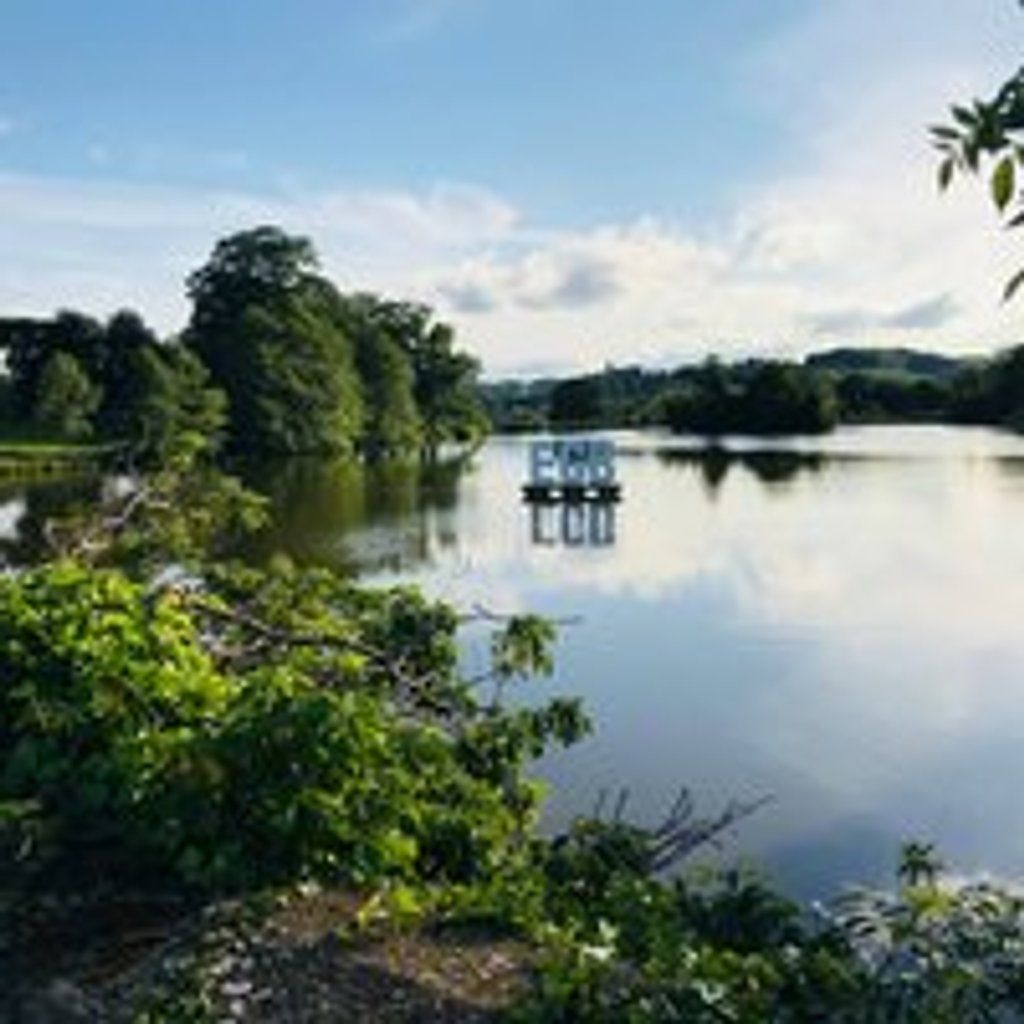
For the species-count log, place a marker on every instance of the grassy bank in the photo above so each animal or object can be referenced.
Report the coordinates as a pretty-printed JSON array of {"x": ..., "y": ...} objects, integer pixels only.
[{"x": 21, "y": 457}]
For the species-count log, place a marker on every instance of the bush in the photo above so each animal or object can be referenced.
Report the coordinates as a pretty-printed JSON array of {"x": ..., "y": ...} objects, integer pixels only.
[
  {"x": 723, "y": 945},
  {"x": 322, "y": 732}
]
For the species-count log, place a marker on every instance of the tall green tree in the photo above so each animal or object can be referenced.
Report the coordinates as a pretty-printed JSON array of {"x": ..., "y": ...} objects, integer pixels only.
[
  {"x": 66, "y": 398},
  {"x": 762, "y": 398},
  {"x": 445, "y": 388},
  {"x": 380, "y": 331},
  {"x": 786, "y": 398},
  {"x": 579, "y": 401},
  {"x": 126, "y": 339},
  {"x": 106, "y": 353},
  {"x": 393, "y": 424},
  {"x": 174, "y": 397},
  {"x": 269, "y": 330},
  {"x": 32, "y": 344}
]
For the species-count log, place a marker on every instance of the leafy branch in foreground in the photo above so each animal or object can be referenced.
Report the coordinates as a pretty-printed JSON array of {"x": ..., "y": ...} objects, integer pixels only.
[
  {"x": 184, "y": 512},
  {"x": 172, "y": 721},
  {"x": 987, "y": 137},
  {"x": 234, "y": 727},
  {"x": 726, "y": 946}
]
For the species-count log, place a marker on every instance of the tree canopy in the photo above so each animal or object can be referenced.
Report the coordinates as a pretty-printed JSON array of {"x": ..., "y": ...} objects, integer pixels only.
[
  {"x": 298, "y": 367},
  {"x": 309, "y": 369},
  {"x": 66, "y": 398},
  {"x": 76, "y": 376}
]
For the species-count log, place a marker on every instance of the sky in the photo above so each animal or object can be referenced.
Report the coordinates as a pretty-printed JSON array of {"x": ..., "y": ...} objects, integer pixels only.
[{"x": 571, "y": 183}]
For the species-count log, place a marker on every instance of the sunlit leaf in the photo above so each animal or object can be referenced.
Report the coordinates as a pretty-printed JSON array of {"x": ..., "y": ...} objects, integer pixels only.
[{"x": 1003, "y": 182}]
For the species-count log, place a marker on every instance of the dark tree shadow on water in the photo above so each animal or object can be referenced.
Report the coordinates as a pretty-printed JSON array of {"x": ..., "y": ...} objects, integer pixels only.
[
  {"x": 775, "y": 468},
  {"x": 355, "y": 516}
]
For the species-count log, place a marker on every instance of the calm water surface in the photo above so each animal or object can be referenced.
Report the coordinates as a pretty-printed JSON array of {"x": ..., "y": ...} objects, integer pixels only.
[{"x": 835, "y": 623}]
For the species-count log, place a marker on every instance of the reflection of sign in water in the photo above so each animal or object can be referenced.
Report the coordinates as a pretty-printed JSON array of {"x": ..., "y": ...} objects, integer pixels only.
[
  {"x": 572, "y": 470},
  {"x": 574, "y": 524},
  {"x": 572, "y": 492}
]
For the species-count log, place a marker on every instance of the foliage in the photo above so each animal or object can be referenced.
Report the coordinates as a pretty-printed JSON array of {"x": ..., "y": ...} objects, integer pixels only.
[
  {"x": 935, "y": 951},
  {"x": 445, "y": 387},
  {"x": 234, "y": 728},
  {"x": 889, "y": 362},
  {"x": 32, "y": 344},
  {"x": 66, "y": 399},
  {"x": 987, "y": 137},
  {"x": 262, "y": 325},
  {"x": 172, "y": 398},
  {"x": 617, "y": 396},
  {"x": 443, "y": 379},
  {"x": 992, "y": 391},
  {"x": 772, "y": 398},
  {"x": 307, "y": 369},
  {"x": 126, "y": 386},
  {"x": 250, "y": 266},
  {"x": 888, "y": 397},
  {"x": 304, "y": 368},
  {"x": 393, "y": 423},
  {"x": 127, "y": 344},
  {"x": 846, "y": 384},
  {"x": 723, "y": 945},
  {"x": 577, "y": 402}
]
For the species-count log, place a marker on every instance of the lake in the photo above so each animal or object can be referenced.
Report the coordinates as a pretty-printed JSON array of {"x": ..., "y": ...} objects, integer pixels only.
[{"x": 835, "y": 623}]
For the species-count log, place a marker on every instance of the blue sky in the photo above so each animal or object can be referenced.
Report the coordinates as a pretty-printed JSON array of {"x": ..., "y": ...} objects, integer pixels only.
[{"x": 570, "y": 181}]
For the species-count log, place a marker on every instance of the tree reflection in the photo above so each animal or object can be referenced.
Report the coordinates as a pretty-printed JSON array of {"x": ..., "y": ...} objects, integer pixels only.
[
  {"x": 775, "y": 468},
  {"x": 355, "y": 516}
]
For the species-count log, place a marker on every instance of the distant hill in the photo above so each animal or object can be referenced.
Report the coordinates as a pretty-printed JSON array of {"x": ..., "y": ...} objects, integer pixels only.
[
  {"x": 871, "y": 385},
  {"x": 904, "y": 361}
]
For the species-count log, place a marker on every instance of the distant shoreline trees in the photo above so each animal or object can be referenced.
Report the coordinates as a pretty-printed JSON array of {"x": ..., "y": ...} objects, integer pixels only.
[
  {"x": 774, "y": 398},
  {"x": 754, "y": 396},
  {"x": 274, "y": 359}
]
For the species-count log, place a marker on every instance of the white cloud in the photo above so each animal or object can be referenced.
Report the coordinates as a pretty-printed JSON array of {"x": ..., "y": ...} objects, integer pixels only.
[
  {"x": 98, "y": 245},
  {"x": 852, "y": 244}
]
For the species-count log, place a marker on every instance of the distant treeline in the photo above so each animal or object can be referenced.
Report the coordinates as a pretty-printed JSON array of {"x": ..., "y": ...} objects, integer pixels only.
[
  {"x": 274, "y": 358},
  {"x": 844, "y": 385}
]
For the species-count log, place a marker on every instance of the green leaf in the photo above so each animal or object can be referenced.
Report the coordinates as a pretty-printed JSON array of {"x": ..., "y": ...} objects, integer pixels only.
[
  {"x": 946, "y": 169},
  {"x": 966, "y": 117},
  {"x": 1003, "y": 182},
  {"x": 1013, "y": 286}
]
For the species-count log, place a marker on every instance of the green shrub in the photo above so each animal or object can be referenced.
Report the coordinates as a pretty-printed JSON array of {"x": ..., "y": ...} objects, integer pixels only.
[{"x": 320, "y": 732}]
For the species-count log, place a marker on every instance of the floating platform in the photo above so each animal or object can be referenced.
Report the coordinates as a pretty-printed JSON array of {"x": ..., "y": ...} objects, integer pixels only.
[{"x": 543, "y": 493}]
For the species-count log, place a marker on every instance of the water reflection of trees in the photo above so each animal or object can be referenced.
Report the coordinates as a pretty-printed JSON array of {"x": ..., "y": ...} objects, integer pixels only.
[
  {"x": 357, "y": 517},
  {"x": 35, "y": 503},
  {"x": 775, "y": 468}
]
